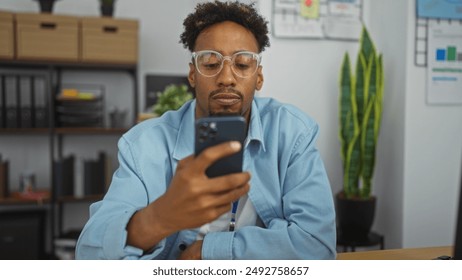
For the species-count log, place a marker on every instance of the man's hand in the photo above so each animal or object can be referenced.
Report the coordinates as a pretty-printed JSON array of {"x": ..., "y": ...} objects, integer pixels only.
[
  {"x": 191, "y": 200},
  {"x": 193, "y": 252}
]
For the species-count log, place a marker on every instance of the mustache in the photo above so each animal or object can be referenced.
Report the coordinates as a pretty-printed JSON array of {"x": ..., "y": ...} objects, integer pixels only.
[{"x": 225, "y": 90}]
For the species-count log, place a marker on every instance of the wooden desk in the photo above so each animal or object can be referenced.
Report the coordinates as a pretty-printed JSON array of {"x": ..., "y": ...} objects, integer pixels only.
[{"x": 399, "y": 254}]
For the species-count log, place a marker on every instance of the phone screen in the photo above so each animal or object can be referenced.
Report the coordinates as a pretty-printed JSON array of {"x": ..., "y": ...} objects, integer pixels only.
[{"x": 211, "y": 131}]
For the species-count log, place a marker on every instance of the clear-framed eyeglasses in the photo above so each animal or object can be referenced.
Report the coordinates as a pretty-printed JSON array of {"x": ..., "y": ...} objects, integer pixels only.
[{"x": 209, "y": 63}]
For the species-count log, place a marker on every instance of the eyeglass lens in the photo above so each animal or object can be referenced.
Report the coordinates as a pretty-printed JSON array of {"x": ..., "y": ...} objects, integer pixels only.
[{"x": 210, "y": 63}]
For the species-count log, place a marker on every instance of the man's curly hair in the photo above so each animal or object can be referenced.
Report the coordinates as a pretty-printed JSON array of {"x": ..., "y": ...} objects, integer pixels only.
[{"x": 207, "y": 14}]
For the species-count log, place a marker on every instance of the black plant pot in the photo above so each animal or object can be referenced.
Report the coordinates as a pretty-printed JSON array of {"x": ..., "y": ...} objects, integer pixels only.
[
  {"x": 354, "y": 217},
  {"x": 46, "y": 6},
  {"x": 107, "y": 10}
]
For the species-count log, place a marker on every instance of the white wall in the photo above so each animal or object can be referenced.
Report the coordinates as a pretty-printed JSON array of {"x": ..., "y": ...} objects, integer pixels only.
[
  {"x": 418, "y": 157},
  {"x": 432, "y": 159},
  {"x": 306, "y": 73},
  {"x": 387, "y": 19}
]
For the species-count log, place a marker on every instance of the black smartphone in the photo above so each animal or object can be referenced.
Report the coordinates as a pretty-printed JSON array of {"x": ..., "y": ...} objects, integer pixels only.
[{"x": 211, "y": 131}]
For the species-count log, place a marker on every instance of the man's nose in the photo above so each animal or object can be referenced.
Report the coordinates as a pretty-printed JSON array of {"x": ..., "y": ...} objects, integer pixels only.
[{"x": 226, "y": 77}]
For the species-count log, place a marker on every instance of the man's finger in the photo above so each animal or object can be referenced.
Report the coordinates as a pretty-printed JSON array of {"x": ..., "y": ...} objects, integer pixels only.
[
  {"x": 228, "y": 197},
  {"x": 228, "y": 182},
  {"x": 208, "y": 156}
]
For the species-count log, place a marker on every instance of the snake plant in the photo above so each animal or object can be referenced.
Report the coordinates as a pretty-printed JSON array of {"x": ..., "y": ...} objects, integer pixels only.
[{"x": 360, "y": 111}]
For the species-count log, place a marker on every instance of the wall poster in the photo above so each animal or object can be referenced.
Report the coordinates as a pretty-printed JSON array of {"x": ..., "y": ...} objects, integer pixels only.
[{"x": 317, "y": 19}]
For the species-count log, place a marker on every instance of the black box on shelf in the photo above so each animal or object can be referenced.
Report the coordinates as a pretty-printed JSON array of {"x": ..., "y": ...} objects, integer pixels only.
[
  {"x": 63, "y": 181},
  {"x": 4, "y": 178},
  {"x": 2, "y": 101},
  {"x": 95, "y": 175},
  {"x": 22, "y": 234}
]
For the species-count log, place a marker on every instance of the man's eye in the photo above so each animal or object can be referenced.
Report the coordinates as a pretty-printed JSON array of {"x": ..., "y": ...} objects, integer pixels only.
[
  {"x": 211, "y": 65},
  {"x": 242, "y": 66}
]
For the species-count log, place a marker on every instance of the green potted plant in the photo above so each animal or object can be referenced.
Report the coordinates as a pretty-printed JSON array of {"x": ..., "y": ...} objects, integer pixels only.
[
  {"x": 360, "y": 111},
  {"x": 172, "y": 98}
]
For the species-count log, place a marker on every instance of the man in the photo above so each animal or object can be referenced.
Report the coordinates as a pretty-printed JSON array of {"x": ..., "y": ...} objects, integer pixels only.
[{"x": 161, "y": 205}]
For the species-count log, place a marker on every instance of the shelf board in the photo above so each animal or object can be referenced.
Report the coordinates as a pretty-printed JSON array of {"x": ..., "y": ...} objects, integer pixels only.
[
  {"x": 90, "y": 130},
  {"x": 24, "y": 130},
  {"x": 64, "y": 130},
  {"x": 37, "y": 198},
  {"x": 17, "y": 201},
  {"x": 87, "y": 198},
  {"x": 69, "y": 64}
]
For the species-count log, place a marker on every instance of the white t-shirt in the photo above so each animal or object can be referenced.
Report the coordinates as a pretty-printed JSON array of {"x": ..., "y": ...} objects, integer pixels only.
[{"x": 245, "y": 216}]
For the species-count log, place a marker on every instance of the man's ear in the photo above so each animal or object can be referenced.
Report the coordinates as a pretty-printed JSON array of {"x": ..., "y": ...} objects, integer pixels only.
[
  {"x": 260, "y": 78},
  {"x": 192, "y": 70}
]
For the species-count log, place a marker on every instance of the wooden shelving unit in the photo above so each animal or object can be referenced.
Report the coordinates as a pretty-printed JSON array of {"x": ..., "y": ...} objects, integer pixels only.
[
  {"x": 87, "y": 198},
  {"x": 89, "y": 130},
  {"x": 24, "y": 131},
  {"x": 53, "y": 70}
]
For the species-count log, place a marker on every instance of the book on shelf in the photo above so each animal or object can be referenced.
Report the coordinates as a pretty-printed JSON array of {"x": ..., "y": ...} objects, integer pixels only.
[
  {"x": 4, "y": 179},
  {"x": 40, "y": 107},
  {"x": 11, "y": 102},
  {"x": 95, "y": 175},
  {"x": 2, "y": 101},
  {"x": 25, "y": 101},
  {"x": 64, "y": 176}
]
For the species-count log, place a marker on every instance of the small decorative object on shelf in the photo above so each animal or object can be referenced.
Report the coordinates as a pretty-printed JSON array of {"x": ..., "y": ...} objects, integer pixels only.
[
  {"x": 46, "y": 6},
  {"x": 107, "y": 7},
  {"x": 27, "y": 181},
  {"x": 117, "y": 118}
]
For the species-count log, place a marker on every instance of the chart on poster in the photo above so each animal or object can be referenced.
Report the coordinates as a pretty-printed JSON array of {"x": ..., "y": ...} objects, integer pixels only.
[
  {"x": 438, "y": 47},
  {"x": 439, "y": 11},
  {"x": 444, "y": 70}
]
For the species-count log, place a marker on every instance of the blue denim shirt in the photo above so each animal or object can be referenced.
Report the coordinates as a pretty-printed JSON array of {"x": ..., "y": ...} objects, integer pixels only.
[{"x": 289, "y": 189}]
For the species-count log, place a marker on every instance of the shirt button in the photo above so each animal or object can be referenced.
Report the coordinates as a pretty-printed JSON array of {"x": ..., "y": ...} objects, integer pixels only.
[{"x": 182, "y": 247}]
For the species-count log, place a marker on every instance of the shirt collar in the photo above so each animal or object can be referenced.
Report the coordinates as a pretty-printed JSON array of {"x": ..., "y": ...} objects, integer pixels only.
[
  {"x": 255, "y": 128},
  {"x": 185, "y": 139}
]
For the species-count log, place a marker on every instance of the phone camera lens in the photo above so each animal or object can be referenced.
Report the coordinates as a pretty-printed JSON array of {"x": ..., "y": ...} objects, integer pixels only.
[
  {"x": 202, "y": 138},
  {"x": 213, "y": 132},
  {"x": 203, "y": 127}
]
